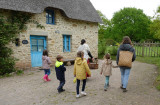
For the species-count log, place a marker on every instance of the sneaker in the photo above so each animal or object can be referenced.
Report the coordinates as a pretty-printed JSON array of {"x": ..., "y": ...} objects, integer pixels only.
[
  {"x": 83, "y": 93},
  {"x": 77, "y": 96},
  {"x": 105, "y": 89},
  {"x": 125, "y": 90},
  {"x": 61, "y": 90}
]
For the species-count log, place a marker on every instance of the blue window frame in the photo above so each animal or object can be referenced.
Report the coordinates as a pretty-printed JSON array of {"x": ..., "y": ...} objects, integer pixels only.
[
  {"x": 66, "y": 43},
  {"x": 50, "y": 17}
]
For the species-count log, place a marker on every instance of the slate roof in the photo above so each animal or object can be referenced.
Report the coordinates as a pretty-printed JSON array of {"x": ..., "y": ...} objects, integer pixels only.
[{"x": 74, "y": 9}]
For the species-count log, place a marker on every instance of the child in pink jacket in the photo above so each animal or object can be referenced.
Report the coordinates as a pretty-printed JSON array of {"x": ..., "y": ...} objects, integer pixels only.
[{"x": 46, "y": 65}]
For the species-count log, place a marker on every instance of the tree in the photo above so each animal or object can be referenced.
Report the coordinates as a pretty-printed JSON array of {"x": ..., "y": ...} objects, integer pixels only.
[
  {"x": 155, "y": 26},
  {"x": 103, "y": 33},
  {"x": 131, "y": 22},
  {"x": 103, "y": 27}
]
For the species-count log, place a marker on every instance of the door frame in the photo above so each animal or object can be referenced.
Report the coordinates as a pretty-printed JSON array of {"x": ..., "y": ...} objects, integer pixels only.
[{"x": 37, "y": 37}]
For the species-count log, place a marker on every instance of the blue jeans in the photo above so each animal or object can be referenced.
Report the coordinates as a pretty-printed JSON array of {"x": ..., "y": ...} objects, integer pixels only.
[
  {"x": 106, "y": 82},
  {"x": 125, "y": 76},
  {"x": 47, "y": 71}
]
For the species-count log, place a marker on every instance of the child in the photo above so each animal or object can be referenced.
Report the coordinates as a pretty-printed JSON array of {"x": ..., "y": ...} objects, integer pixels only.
[
  {"x": 46, "y": 65},
  {"x": 80, "y": 69},
  {"x": 60, "y": 73},
  {"x": 106, "y": 69}
]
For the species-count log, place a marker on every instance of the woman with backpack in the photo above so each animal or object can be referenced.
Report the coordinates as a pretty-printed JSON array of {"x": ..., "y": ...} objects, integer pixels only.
[{"x": 125, "y": 56}]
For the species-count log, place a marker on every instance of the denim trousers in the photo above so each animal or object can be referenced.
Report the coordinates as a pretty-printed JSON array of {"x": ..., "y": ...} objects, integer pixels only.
[
  {"x": 125, "y": 77},
  {"x": 47, "y": 71},
  {"x": 61, "y": 84},
  {"x": 78, "y": 84},
  {"x": 106, "y": 82}
]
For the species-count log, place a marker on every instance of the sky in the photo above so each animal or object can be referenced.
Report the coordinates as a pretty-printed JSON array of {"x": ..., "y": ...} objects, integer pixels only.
[{"x": 109, "y": 7}]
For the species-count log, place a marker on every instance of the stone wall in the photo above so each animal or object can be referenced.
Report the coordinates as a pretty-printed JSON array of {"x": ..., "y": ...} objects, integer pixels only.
[{"x": 54, "y": 33}]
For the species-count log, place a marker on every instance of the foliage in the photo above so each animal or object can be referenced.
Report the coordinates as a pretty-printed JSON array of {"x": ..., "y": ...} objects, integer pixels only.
[
  {"x": 105, "y": 38},
  {"x": 104, "y": 28},
  {"x": 112, "y": 50},
  {"x": 101, "y": 47},
  {"x": 10, "y": 26},
  {"x": 155, "y": 26},
  {"x": 152, "y": 60},
  {"x": 130, "y": 22},
  {"x": 7, "y": 32}
]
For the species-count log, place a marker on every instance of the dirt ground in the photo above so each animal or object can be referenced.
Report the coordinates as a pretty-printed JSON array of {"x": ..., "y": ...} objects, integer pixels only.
[{"x": 30, "y": 89}]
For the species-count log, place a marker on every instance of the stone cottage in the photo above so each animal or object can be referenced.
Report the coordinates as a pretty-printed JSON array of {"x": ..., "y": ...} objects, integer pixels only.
[{"x": 66, "y": 22}]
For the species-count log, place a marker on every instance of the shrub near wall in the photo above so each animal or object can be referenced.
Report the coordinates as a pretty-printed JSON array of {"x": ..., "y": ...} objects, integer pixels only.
[
  {"x": 7, "y": 33},
  {"x": 10, "y": 26}
]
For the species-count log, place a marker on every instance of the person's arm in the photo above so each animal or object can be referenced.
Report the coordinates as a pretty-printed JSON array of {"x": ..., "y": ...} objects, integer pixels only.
[
  {"x": 134, "y": 56},
  {"x": 114, "y": 66},
  {"x": 74, "y": 73},
  {"x": 63, "y": 68},
  {"x": 102, "y": 68},
  {"x": 90, "y": 55},
  {"x": 117, "y": 57},
  {"x": 87, "y": 47},
  {"x": 48, "y": 60},
  {"x": 87, "y": 68}
]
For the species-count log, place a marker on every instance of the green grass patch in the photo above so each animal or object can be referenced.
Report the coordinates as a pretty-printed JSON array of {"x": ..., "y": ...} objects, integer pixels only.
[{"x": 152, "y": 60}]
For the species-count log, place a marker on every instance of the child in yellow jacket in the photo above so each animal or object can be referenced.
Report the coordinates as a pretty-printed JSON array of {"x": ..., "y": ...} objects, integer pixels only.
[{"x": 80, "y": 69}]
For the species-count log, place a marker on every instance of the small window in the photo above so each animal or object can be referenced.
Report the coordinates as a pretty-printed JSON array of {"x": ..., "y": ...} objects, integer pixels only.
[
  {"x": 66, "y": 43},
  {"x": 50, "y": 19}
]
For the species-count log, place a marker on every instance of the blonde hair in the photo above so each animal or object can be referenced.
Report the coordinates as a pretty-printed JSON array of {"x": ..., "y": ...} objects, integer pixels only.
[{"x": 80, "y": 54}]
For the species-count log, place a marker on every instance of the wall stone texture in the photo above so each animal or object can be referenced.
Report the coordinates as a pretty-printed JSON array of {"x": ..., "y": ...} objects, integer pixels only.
[{"x": 54, "y": 35}]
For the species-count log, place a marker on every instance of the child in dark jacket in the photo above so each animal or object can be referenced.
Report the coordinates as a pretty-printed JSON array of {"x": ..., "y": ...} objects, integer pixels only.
[{"x": 60, "y": 72}]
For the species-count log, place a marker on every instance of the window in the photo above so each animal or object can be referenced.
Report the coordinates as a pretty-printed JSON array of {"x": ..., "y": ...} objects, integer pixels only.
[
  {"x": 50, "y": 19},
  {"x": 66, "y": 43},
  {"x": 37, "y": 44}
]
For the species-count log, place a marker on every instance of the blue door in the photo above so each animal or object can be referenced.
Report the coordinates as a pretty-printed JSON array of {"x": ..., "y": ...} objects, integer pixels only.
[{"x": 38, "y": 44}]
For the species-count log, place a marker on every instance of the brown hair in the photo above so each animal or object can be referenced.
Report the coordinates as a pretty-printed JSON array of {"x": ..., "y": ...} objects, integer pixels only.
[
  {"x": 45, "y": 53},
  {"x": 80, "y": 54},
  {"x": 59, "y": 57},
  {"x": 107, "y": 56},
  {"x": 126, "y": 40}
]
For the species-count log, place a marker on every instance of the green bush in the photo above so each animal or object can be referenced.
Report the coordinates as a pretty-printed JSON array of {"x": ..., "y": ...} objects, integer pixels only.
[
  {"x": 10, "y": 26},
  {"x": 7, "y": 65},
  {"x": 112, "y": 50},
  {"x": 101, "y": 47}
]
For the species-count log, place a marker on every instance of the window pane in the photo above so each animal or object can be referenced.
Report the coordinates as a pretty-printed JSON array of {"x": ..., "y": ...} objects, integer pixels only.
[
  {"x": 50, "y": 15},
  {"x": 40, "y": 48},
  {"x": 34, "y": 41},
  {"x": 40, "y": 42},
  {"x": 50, "y": 20},
  {"x": 68, "y": 48},
  {"x": 47, "y": 20},
  {"x": 34, "y": 47}
]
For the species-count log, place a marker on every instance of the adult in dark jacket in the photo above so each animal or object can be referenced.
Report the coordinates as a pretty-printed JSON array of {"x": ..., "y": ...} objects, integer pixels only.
[
  {"x": 60, "y": 73},
  {"x": 125, "y": 71}
]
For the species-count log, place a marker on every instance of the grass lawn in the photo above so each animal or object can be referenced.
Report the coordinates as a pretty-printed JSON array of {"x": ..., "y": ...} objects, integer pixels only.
[{"x": 152, "y": 60}]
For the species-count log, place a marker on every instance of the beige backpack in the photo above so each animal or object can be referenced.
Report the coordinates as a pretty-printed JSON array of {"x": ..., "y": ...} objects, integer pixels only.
[{"x": 125, "y": 58}]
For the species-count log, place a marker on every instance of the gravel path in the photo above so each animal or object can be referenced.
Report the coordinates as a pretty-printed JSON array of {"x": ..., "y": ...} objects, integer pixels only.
[{"x": 29, "y": 89}]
